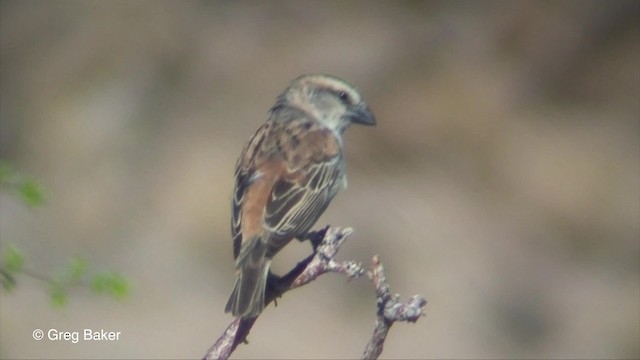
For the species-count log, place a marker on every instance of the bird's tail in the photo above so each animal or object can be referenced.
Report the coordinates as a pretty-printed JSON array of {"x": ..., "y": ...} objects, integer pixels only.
[{"x": 247, "y": 298}]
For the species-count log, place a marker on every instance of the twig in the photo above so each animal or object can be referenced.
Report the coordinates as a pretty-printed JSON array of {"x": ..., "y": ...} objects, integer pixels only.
[
  {"x": 316, "y": 264},
  {"x": 390, "y": 310}
]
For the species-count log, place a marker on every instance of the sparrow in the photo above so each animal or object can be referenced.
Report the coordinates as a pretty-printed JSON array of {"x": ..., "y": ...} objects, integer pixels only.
[{"x": 286, "y": 176}]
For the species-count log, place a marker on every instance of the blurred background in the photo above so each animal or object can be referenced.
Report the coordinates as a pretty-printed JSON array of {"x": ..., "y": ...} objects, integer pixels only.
[{"x": 502, "y": 181}]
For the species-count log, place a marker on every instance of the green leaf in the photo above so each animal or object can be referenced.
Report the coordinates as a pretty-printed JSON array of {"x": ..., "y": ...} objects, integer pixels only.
[
  {"x": 99, "y": 282},
  {"x": 112, "y": 284},
  {"x": 8, "y": 281},
  {"x": 13, "y": 259},
  {"x": 31, "y": 192},
  {"x": 58, "y": 295},
  {"x": 119, "y": 286}
]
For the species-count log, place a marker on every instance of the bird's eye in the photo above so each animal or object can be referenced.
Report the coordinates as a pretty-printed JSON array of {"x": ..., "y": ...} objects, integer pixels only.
[{"x": 344, "y": 97}]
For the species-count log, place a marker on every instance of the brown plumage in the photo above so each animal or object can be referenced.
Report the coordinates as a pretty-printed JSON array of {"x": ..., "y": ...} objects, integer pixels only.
[{"x": 286, "y": 176}]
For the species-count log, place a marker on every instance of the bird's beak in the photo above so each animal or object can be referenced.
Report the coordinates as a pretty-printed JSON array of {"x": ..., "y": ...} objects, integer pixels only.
[{"x": 360, "y": 114}]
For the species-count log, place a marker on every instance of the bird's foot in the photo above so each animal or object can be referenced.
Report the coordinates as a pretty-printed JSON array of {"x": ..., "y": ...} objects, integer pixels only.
[
  {"x": 315, "y": 237},
  {"x": 276, "y": 286}
]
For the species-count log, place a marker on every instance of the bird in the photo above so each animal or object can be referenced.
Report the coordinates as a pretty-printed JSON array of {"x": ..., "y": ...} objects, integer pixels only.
[{"x": 286, "y": 176}]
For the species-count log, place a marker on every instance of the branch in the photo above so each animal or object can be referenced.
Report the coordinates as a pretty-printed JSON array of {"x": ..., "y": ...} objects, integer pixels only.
[
  {"x": 390, "y": 310},
  {"x": 309, "y": 269},
  {"x": 316, "y": 264}
]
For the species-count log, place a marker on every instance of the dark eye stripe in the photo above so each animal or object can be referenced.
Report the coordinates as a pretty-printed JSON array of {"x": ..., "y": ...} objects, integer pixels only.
[{"x": 343, "y": 96}]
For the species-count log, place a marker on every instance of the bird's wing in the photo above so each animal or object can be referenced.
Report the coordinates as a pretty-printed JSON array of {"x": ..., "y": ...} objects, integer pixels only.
[
  {"x": 285, "y": 178},
  {"x": 245, "y": 175},
  {"x": 312, "y": 175}
]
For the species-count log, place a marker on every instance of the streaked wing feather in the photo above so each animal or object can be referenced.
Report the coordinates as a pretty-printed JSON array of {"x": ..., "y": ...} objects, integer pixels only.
[
  {"x": 236, "y": 213},
  {"x": 305, "y": 164},
  {"x": 245, "y": 171},
  {"x": 294, "y": 206}
]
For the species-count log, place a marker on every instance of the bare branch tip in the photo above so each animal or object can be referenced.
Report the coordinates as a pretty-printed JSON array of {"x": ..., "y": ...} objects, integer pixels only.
[{"x": 353, "y": 270}]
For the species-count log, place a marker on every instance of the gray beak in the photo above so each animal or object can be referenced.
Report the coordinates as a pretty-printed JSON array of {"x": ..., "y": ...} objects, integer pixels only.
[{"x": 360, "y": 114}]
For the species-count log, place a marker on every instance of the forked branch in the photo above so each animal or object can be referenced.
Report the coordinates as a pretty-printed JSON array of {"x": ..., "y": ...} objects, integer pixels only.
[{"x": 390, "y": 309}]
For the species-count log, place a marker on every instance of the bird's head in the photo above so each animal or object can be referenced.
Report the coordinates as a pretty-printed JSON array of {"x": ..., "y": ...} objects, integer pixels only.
[{"x": 330, "y": 100}]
